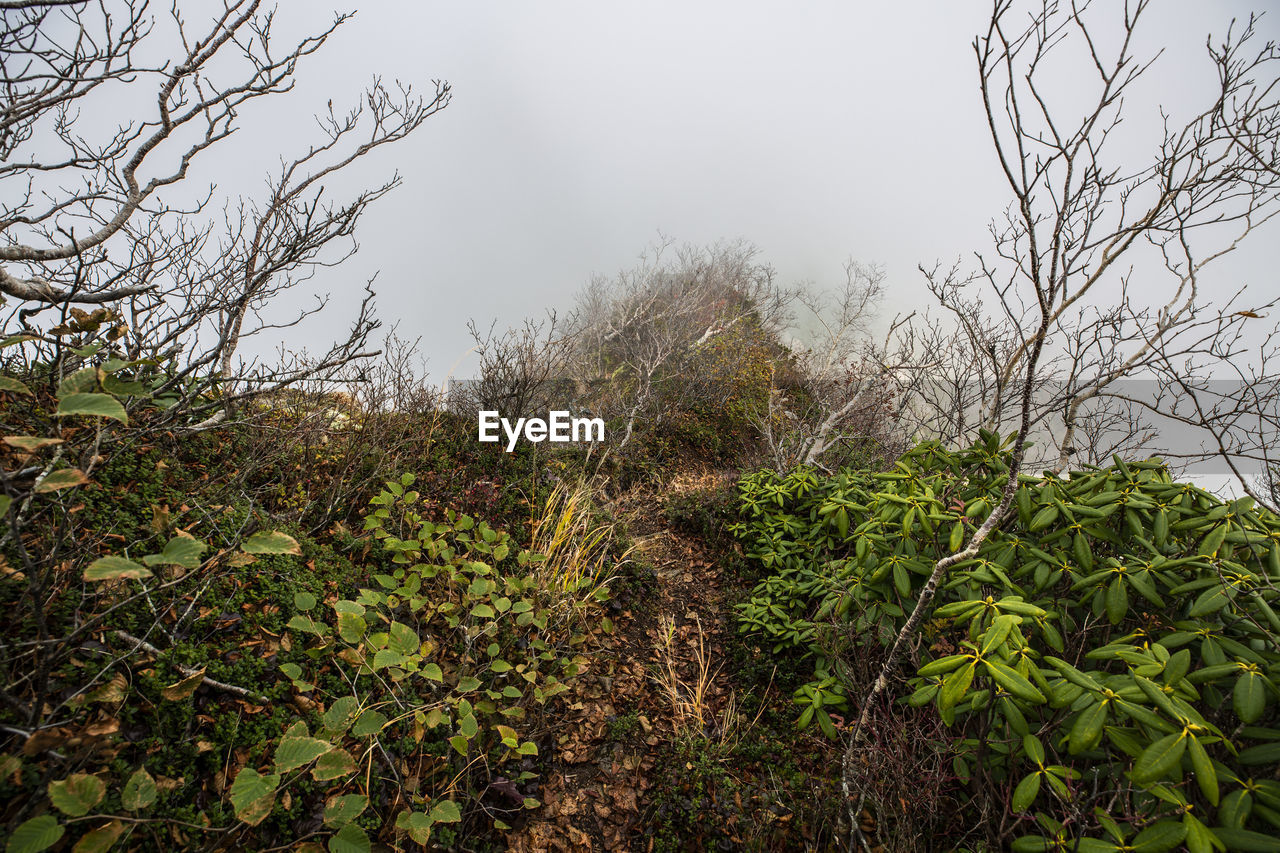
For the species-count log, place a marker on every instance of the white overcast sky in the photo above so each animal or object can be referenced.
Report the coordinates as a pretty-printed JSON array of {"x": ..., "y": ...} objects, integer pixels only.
[{"x": 579, "y": 130}]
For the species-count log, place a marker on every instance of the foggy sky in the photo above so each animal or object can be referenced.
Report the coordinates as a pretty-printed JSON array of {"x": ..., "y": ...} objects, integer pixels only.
[{"x": 820, "y": 131}]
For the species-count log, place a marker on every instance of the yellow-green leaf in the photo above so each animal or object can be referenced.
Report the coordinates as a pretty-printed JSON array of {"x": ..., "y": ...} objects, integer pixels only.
[
  {"x": 139, "y": 791},
  {"x": 294, "y": 752},
  {"x": 82, "y": 381},
  {"x": 445, "y": 811},
  {"x": 96, "y": 405},
  {"x": 274, "y": 542},
  {"x": 416, "y": 824},
  {"x": 341, "y": 714},
  {"x": 30, "y": 443},
  {"x": 341, "y": 810},
  {"x": 370, "y": 722},
  {"x": 179, "y": 551},
  {"x": 333, "y": 764},
  {"x": 63, "y": 478},
  {"x": 13, "y": 386},
  {"x": 110, "y": 568},
  {"x": 350, "y": 839},
  {"x": 180, "y": 690}
]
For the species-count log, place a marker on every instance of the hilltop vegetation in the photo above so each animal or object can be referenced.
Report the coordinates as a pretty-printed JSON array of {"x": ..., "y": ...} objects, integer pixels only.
[
  {"x": 830, "y": 581},
  {"x": 367, "y": 635},
  {"x": 1105, "y": 665}
]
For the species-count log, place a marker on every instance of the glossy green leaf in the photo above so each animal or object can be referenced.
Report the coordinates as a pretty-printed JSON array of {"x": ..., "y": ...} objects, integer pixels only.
[
  {"x": 1025, "y": 794},
  {"x": 1246, "y": 840},
  {"x": 1033, "y": 748},
  {"x": 1206, "y": 776},
  {"x": 1086, "y": 731},
  {"x": 1117, "y": 601},
  {"x": 1159, "y": 759},
  {"x": 1266, "y": 753},
  {"x": 1160, "y": 837},
  {"x": 1235, "y": 808},
  {"x": 1094, "y": 845},
  {"x": 1210, "y": 601},
  {"x": 1249, "y": 696},
  {"x": 1013, "y": 682},
  {"x": 942, "y": 665},
  {"x": 996, "y": 634},
  {"x": 1199, "y": 839},
  {"x": 955, "y": 685}
]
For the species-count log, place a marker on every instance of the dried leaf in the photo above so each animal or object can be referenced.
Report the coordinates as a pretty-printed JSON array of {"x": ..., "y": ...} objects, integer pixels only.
[{"x": 180, "y": 690}]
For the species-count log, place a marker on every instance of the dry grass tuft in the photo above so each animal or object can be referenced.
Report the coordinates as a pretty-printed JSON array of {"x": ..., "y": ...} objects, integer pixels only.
[
  {"x": 690, "y": 699},
  {"x": 573, "y": 554}
]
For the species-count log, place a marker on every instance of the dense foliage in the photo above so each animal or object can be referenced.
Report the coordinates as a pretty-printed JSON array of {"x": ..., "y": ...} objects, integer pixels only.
[
  {"x": 177, "y": 673},
  {"x": 1108, "y": 663}
]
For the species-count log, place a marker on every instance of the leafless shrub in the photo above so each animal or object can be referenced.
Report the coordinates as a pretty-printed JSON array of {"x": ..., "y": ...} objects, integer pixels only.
[
  {"x": 1076, "y": 215},
  {"x": 101, "y": 213},
  {"x": 523, "y": 372},
  {"x": 637, "y": 334}
]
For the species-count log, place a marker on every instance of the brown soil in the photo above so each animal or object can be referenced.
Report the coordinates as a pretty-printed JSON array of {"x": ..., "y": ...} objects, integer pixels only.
[{"x": 595, "y": 795}]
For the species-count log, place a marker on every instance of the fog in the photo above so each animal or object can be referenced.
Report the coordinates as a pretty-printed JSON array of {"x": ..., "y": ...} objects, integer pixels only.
[{"x": 578, "y": 133}]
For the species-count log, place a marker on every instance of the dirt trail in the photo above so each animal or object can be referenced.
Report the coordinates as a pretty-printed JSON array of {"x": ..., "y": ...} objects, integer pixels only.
[{"x": 621, "y": 716}]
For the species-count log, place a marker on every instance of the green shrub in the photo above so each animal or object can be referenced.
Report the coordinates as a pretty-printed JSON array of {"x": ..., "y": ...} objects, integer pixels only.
[
  {"x": 1108, "y": 662},
  {"x": 442, "y": 663},
  {"x": 455, "y": 642}
]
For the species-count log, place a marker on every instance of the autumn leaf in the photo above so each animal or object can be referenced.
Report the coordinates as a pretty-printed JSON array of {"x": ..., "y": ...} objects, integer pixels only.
[{"x": 180, "y": 690}]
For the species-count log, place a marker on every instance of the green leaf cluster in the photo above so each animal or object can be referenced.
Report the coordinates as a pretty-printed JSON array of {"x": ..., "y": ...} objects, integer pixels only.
[
  {"x": 449, "y": 585},
  {"x": 1117, "y": 633}
]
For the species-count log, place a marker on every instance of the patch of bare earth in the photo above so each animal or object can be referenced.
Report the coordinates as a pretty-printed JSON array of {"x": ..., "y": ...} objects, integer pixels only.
[{"x": 653, "y": 675}]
